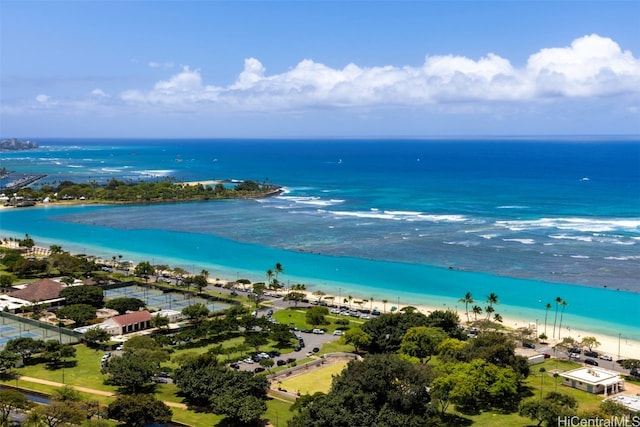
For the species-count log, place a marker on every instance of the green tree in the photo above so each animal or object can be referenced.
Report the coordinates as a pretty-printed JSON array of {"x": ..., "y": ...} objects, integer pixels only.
[
  {"x": 554, "y": 406},
  {"x": 381, "y": 390},
  {"x": 25, "y": 347},
  {"x": 558, "y": 300},
  {"x": 55, "y": 352},
  {"x": 12, "y": 401},
  {"x": 8, "y": 360},
  {"x": 467, "y": 299},
  {"x": 590, "y": 343},
  {"x": 145, "y": 270},
  {"x": 129, "y": 372},
  {"x": 316, "y": 316},
  {"x": 196, "y": 312},
  {"x": 60, "y": 413},
  {"x": 124, "y": 304},
  {"x": 200, "y": 282},
  {"x": 357, "y": 337},
  {"x": 92, "y": 295},
  {"x": 139, "y": 410},
  {"x": 564, "y": 305},
  {"x": 294, "y": 296},
  {"x": 6, "y": 280},
  {"x": 79, "y": 313},
  {"x": 159, "y": 321},
  {"x": 96, "y": 335},
  {"x": 147, "y": 348},
  {"x": 422, "y": 342}
]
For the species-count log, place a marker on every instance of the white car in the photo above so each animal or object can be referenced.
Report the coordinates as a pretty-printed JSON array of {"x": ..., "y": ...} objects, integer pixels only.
[
  {"x": 337, "y": 333},
  {"x": 574, "y": 356},
  {"x": 606, "y": 357}
]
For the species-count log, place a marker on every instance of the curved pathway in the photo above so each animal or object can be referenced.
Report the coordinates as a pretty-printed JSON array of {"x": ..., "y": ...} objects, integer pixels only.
[{"x": 90, "y": 390}]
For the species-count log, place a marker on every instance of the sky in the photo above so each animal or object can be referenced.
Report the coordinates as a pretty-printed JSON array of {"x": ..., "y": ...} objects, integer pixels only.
[{"x": 247, "y": 69}]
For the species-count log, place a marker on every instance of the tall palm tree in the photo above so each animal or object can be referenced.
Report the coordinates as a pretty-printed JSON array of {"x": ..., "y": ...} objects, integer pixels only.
[
  {"x": 384, "y": 305},
  {"x": 558, "y": 301},
  {"x": 546, "y": 313},
  {"x": 279, "y": 269},
  {"x": 467, "y": 299},
  {"x": 564, "y": 304},
  {"x": 492, "y": 298},
  {"x": 476, "y": 310},
  {"x": 270, "y": 275}
]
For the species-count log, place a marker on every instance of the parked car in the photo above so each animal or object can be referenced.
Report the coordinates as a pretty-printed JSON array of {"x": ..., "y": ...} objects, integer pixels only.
[
  {"x": 258, "y": 369},
  {"x": 635, "y": 373},
  {"x": 574, "y": 356},
  {"x": 575, "y": 350},
  {"x": 318, "y": 331},
  {"x": 281, "y": 362},
  {"x": 528, "y": 345},
  {"x": 591, "y": 353},
  {"x": 235, "y": 366},
  {"x": 337, "y": 333},
  {"x": 591, "y": 362},
  {"x": 291, "y": 359},
  {"x": 606, "y": 357},
  {"x": 547, "y": 355},
  {"x": 297, "y": 348}
]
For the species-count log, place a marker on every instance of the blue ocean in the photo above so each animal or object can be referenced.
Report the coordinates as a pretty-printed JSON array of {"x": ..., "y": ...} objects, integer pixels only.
[{"x": 406, "y": 221}]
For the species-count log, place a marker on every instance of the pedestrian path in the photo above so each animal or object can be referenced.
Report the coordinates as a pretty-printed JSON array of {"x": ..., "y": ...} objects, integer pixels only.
[{"x": 90, "y": 390}]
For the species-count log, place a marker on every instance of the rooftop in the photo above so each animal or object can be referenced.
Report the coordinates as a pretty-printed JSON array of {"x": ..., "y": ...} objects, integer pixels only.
[
  {"x": 592, "y": 375},
  {"x": 41, "y": 290}
]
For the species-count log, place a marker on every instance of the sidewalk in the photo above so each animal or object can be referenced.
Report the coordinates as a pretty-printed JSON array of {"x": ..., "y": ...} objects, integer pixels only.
[{"x": 90, "y": 390}]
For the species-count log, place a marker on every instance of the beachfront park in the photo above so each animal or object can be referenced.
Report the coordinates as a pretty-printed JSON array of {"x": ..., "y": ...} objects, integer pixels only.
[{"x": 201, "y": 351}]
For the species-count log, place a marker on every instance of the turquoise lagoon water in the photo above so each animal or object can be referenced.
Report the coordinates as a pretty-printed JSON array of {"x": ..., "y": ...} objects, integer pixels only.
[{"x": 407, "y": 221}]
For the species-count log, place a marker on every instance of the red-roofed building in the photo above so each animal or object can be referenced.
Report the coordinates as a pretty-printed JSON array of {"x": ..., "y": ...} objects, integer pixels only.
[{"x": 127, "y": 323}]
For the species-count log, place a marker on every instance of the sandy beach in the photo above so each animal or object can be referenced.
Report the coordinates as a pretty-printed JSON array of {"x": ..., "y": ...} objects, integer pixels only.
[{"x": 615, "y": 346}]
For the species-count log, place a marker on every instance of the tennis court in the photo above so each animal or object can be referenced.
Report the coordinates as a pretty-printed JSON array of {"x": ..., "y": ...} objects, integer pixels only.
[
  {"x": 158, "y": 300},
  {"x": 12, "y": 327}
]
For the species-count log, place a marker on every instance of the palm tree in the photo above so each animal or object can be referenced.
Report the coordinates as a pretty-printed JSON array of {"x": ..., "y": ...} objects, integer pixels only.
[
  {"x": 278, "y": 269},
  {"x": 492, "y": 298},
  {"x": 476, "y": 310},
  {"x": 467, "y": 299},
  {"x": 558, "y": 301},
  {"x": 564, "y": 304},
  {"x": 548, "y": 307},
  {"x": 270, "y": 275},
  {"x": 384, "y": 305}
]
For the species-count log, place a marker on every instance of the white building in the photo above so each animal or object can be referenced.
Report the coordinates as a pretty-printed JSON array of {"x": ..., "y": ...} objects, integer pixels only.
[{"x": 594, "y": 380}]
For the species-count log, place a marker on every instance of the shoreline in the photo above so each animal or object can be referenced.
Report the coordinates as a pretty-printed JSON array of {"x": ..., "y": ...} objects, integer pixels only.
[{"x": 615, "y": 346}]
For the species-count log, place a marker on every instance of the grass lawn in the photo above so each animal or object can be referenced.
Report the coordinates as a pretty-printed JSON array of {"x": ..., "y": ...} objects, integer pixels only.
[
  {"x": 297, "y": 317},
  {"x": 86, "y": 373},
  {"x": 278, "y": 412},
  {"x": 534, "y": 382},
  {"x": 316, "y": 379}
]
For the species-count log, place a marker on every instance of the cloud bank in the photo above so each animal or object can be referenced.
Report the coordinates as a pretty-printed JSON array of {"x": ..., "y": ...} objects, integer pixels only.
[{"x": 591, "y": 67}]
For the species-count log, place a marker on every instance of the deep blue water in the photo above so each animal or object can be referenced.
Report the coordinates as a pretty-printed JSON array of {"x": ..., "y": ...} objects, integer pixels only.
[{"x": 423, "y": 221}]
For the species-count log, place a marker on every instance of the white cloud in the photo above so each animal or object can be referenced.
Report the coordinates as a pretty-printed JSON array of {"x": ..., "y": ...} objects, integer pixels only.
[
  {"x": 154, "y": 64},
  {"x": 42, "y": 99},
  {"x": 99, "y": 93},
  {"x": 592, "y": 66}
]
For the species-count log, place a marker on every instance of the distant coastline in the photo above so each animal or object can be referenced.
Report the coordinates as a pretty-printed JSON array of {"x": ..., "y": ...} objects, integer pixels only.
[{"x": 126, "y": 192}]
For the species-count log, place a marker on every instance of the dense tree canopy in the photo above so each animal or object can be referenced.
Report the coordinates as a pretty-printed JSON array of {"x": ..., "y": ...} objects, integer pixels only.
[
  {"x": 237, "y": 394},
  {"x": 381, "y": 390},
  {"x": 139, "y": 410},
  {"x": 124, "y": 304},
  {"x": 79, "y": 313},
  {"x": 91, "y": 295}
]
